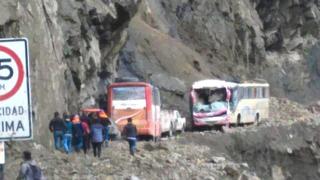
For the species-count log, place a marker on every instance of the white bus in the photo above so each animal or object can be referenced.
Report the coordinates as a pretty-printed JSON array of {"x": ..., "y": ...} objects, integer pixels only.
[{"x": 217, "y": 102}]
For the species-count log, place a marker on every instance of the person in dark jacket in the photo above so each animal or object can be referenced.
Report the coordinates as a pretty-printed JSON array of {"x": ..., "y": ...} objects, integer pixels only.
[
  {"x": 130, "y": 132},
  {"x": 57, "y": 126},
  {"x": 106, "y": 124},
  {"x": 77, "y": 133},
  {"x": 29, "y": 169},
  {"x": 96, "y": 136}
]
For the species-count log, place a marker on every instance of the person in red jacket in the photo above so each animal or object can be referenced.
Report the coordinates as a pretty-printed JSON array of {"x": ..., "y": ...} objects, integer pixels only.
[{"x": 86, "y": 135}]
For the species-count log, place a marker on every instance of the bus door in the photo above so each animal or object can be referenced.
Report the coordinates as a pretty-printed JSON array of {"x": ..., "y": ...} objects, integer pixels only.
[{"x": 156, "y": 108}]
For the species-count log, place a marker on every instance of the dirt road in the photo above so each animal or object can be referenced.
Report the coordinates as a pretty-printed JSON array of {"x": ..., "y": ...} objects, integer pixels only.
[{"x": 270, "y": 151}]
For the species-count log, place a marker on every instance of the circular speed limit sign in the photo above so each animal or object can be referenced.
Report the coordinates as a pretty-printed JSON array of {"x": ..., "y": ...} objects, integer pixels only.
[
  {"x": 15, "y": 90},
  {"x": 11, "y": 73}
]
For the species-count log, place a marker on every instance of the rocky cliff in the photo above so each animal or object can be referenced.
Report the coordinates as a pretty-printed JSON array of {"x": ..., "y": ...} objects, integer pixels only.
[
  {"x": 73, "y": 49},
  {"x": 234, "y": 40},
  {"x": 77, "y": 47}
]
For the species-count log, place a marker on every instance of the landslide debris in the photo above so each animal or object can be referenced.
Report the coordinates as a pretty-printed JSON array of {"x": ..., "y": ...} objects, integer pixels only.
[
  {"x": 287, "y": 150},
  {"x": 282, "y": 109}
]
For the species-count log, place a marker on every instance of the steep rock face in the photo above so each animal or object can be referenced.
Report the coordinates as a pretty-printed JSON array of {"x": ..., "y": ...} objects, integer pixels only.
[
  {"x": 222, "y": 33},
  {"x": 73, "y": 47},
  {"x": 232, "y": 40},
  {"x": 274, "y": 40},
  {"x": 291, "y": 38}
]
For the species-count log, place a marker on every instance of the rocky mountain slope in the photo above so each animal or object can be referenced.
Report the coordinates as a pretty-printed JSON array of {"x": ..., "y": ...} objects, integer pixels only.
[
  {"x": 77, "y": 47},
  {"x": 233, "y": 40},
  {"x": 74, "y": 47}
]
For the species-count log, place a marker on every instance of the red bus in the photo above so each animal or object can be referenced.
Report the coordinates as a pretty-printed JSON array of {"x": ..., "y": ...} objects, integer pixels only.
[{"x": 138, "y": 100}]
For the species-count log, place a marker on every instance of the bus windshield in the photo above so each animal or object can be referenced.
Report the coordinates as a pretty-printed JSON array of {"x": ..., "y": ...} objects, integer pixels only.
[
  {"x": 128, "y": 93},
  {"x": 210, "y": 100}
]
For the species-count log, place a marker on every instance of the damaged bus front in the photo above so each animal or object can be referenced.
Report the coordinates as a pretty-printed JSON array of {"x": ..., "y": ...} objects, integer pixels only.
[{"x": 210, "y": 102}]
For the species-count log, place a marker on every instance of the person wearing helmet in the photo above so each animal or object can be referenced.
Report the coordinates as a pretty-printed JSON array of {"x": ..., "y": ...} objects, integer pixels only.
[
  {"x": 77, "y": 132},
  {"x": 106, "y": 123}
]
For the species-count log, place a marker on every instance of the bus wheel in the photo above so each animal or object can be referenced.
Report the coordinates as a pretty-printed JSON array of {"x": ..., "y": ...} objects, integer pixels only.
[
  {"x": 257, "y": 119},
  {"x": 183, "y": 128},
  {"x": 157, "y": 138}
]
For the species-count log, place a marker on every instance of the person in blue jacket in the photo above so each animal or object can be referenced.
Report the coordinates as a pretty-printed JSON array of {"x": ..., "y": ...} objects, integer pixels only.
[
  {"x": 77, "y": 133},
  {"x": 105, "y": 121},
  {"x": 67, "y": 138},
  {"x": 97, "y": 137}
]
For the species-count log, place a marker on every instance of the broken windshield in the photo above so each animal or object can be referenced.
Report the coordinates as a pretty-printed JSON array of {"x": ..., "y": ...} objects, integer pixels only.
[{"x": 210, "y": 100}]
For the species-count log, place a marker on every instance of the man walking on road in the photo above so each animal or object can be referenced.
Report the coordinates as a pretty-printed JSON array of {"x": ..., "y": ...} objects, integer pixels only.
[
  {"x": 86, "y": 135},
  {"x": 105, "y": 122},
  {"x": 130, "y": 132},
  {"x": 67, "y": 138},
  {"x": 77, "y": 133},
  {"x": 29, "y": 169},
  {"x": 58, "y": 127},
  {"x": 97, "y": 136}
]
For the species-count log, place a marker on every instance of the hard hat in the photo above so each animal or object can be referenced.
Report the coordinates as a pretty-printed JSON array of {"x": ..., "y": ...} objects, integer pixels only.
[
  {"x": 102, "y": 114},
  {"x": 76, "y": 119}
]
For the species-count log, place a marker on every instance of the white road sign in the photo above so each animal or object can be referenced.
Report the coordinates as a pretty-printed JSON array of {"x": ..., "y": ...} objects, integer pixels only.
[{"x": 15, "y": 95}]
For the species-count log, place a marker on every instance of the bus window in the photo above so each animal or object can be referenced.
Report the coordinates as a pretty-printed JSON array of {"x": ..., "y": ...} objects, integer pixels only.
[
  {"x": 240, "y": 93},
  {"x": 250, "y": 92},
  {"x": 254, "y": 92},
  {"x": 259, "y": 92},
  {"x": 265, "y": 93},
  {"x": 154, "y": 101},
  {"x": 235, "y": 98},
  {"x": 156, "y": 96},
  {"x": 128, "y": 93}
]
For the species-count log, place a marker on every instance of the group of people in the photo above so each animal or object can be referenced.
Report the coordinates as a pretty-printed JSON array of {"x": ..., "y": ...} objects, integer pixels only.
[
  {"x": 76, "y": 133},
  {"x": 73, "y": 133}
]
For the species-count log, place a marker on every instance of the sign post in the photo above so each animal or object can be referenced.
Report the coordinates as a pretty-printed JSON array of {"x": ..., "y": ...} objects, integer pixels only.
[
  {"x": 2, "y": 160},
  {"x": 15, "y": 95}
]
